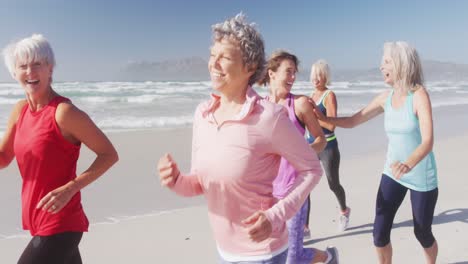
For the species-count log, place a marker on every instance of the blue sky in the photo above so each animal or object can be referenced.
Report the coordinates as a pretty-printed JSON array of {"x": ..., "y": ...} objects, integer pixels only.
[{"x": 93, "y": 39}]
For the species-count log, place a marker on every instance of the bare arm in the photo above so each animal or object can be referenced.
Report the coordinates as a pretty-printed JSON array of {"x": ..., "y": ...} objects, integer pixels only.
[
  {"x": 423, "y": 110},
  {"x": 332, "y": 107},
  {"x": 6, "y": 145},
  {"x": 373, "y": 109},
  {"x": 77, "y": 123},
  {"x": 76, "y": 126},
  {"x": 305, "y": 111}
]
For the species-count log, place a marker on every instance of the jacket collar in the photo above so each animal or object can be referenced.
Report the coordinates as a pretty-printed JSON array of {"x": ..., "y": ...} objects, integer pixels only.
[{"x": 251, "y": 98}]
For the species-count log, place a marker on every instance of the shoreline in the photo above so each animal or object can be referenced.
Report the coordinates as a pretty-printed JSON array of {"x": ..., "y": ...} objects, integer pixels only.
[
  {"x": 134, "y": 219},
  {"x": 161, "y": 236}
]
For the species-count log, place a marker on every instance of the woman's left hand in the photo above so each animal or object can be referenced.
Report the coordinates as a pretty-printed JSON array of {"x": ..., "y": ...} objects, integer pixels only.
[
  {"x": 259, "y": 226},
  {"x": 399, "y": 168},
  {"x": 55, "y": 200}
]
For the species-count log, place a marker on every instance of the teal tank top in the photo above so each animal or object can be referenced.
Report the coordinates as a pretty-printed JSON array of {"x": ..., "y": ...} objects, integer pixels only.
[{"x": 404, "y": 136}]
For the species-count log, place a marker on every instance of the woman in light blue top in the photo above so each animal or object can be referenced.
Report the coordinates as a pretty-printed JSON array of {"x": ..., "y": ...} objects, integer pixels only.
[{"x": 410, "y": 163}]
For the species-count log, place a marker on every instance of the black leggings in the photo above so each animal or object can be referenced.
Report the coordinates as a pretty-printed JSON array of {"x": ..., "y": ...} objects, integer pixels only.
[
  {"x": 330, "y": 158},
  {"x": 389, "y": 198},
  {"x": 55, "y": 249}
]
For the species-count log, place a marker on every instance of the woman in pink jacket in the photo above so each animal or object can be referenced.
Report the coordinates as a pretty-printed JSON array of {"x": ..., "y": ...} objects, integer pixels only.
[{"x": 238, "y": 141}]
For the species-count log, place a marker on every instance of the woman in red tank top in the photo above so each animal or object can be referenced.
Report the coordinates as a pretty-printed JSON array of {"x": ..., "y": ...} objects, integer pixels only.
[{"x": 44, "y": 133}]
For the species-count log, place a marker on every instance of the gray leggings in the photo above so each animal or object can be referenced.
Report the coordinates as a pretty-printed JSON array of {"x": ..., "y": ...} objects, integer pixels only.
[{"x": 330, "y": 158}]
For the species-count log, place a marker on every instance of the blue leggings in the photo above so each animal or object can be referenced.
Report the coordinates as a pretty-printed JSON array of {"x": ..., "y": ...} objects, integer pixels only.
[
  {"x": 297, "y": 254},
  {"x": 389, "y": 198}
]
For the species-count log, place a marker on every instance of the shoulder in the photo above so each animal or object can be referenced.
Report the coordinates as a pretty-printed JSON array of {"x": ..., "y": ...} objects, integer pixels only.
[
  {"x": 421, "y": 93},
  {"x": 421, "y": 97},
  {"x": 301, "y": 99},
  {"x": 268, "y": 110},
  {"x": 204, "y": 105},
  {"x": 302, "y": 102},
  {"x": 382, "y": 97},
  {"x": 17, "y": 109},
  {"x": 67, "y": 111},
  {"x": 331, "y": 95},
  {"x": 19, "y": 105},
  {"x": 268, "y": 106},
  {"x": 385, "y": 94},
  {"x": 202, "y": 108},
  {"x": 67, "y": 107}
]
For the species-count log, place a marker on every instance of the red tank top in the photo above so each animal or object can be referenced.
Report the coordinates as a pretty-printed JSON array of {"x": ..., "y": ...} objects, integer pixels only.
[{"x": 46, "y": 161}]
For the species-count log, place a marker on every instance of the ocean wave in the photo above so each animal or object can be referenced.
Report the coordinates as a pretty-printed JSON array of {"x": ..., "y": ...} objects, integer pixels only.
[
  {"x": 127, "y": 105},
  {"x": 132, "y": 122},
  {"x": 364, "y": 91},
  {"x": 132, "y": 88},
  {"x": 8, "y": 101},
  {"x": 452, "y": 102},
  {"x": 114, "y": 99},
  {"x": 442, "y": 88}
]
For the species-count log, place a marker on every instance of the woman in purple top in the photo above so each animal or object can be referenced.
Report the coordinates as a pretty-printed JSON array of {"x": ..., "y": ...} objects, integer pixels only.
[{"x": 280, "y": 76}]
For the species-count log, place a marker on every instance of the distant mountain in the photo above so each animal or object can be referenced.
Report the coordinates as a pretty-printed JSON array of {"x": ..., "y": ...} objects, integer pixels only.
[
  {"x": 195, "y": 69},
  {"x": 438, "y": 71},
  {"x": 433, "y": 71},
  {"x": 187, "y": 69}
]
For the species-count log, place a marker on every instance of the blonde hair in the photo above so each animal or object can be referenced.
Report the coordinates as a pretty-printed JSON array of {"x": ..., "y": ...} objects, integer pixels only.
[
  {"x": 407, "y": 65},
  {"x": 31, "y": 49},
  {"x": 321, "y": 68}
]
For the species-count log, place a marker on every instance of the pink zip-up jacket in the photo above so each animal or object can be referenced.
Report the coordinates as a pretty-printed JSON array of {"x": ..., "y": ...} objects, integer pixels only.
[{"x": 234, "y": 165}]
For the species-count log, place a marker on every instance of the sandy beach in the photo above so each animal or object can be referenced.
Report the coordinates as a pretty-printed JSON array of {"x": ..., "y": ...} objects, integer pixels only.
[{"x": 135, "y": 220}]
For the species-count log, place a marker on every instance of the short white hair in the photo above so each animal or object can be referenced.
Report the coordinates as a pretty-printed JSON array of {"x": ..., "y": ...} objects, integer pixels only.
[
  {"x": 30, "y": 49},
  {"x": 321, "y": 68},
  {"x": 407, "y": 65}
]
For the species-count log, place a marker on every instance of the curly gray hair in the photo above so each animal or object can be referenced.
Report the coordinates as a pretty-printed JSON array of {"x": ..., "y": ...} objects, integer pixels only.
[{"x": 250, "y": 42}]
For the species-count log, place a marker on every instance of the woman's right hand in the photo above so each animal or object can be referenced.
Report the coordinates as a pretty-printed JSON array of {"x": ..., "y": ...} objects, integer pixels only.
[
  {"x": 319, "y": 115},
  {"x": 259, "y": 227},
  {"x": 168, "y": 170}
]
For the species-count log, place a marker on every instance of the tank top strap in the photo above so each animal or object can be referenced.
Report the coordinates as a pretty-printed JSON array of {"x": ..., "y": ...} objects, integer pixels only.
[
  {"x": 290, "y": 102},
  {"x": 22, "y": 113},
  {"x": 290, "y": 106},
  {"x": 409, "y": 105},
  {"x": 388, "y": 101},
  {"x": 58, "y": 99},
  {"x": 322, "y": 98}
]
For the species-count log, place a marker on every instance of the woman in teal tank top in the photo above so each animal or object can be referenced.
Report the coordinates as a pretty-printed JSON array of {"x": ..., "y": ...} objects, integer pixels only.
[{"x": 410, "y": 163}]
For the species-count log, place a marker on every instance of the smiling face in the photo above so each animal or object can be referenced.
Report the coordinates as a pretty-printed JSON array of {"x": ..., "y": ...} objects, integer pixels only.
[
  {"x": 320, "y": 75},
  {"x": 319, "y": 81},
  {"x": 34, "y": 76},
  {"x": 227, "y": 70},
  {"x": 284, "y": 76},
  {"x": 387, "y": 68}
]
